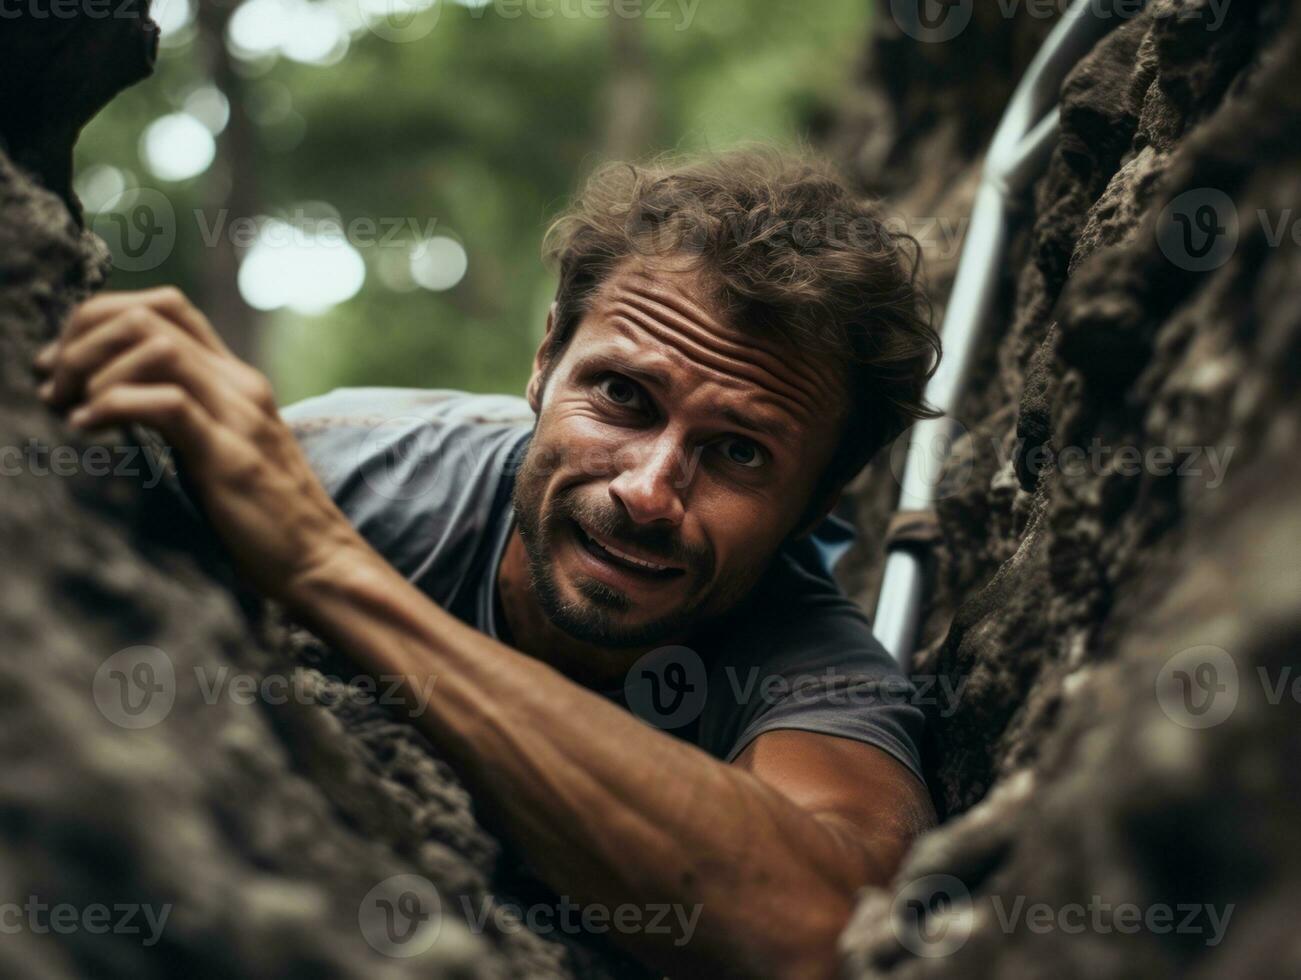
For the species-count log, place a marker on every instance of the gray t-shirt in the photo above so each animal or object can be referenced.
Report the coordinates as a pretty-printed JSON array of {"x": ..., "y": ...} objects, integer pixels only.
[{"x": 426, "y": 477}]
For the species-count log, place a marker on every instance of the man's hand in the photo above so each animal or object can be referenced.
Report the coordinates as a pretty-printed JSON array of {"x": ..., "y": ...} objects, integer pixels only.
[{"x": 151, "y": 357}]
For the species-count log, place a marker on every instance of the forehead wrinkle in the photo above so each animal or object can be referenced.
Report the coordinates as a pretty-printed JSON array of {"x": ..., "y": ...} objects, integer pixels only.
[
  {"x": 647, "y": 287},
  {"x": 742, "y": 367},
  {"x": 652, "y": 302},
  {"x": 684, "y": 319}
]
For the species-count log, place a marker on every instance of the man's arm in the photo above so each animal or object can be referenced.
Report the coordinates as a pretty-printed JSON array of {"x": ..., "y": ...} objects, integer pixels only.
[{"x": 609, "y": 811}]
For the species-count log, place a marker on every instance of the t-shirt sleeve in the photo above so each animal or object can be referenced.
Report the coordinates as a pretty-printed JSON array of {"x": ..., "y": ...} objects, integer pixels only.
[
  {"x": 414, "y": 470},
  {"x": 803, "y": 657}
]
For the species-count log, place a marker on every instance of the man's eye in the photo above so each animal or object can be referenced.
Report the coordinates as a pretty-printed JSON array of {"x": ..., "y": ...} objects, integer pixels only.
[
  {"x": 621, "y": 391},
  {"x": 743, "y": 452}
]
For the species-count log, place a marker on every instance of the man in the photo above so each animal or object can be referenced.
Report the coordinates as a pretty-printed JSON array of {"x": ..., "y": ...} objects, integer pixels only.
[{"x": 731, "y": 340}]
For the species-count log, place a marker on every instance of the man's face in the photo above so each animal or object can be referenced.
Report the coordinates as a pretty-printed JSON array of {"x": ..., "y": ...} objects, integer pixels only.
[{"x": 673, "y": 454}]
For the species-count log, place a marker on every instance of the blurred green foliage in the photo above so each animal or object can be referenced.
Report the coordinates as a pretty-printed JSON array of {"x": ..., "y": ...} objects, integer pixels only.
[{"x": 482, "y": 128}]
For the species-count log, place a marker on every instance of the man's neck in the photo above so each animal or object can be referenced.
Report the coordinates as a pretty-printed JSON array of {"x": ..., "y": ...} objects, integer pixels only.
[{"x": 531, "y": 630}]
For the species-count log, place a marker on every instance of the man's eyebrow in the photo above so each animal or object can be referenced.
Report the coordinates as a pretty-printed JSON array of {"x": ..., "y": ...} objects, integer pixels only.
[
  {"x": 617, "y": 360},
  {"x": 760, "y": 426},
  {"x": 644, "y": 372}
]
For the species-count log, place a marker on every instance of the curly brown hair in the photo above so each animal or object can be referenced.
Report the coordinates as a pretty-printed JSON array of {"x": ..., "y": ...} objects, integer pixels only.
[{"x": 785, "y": 249}]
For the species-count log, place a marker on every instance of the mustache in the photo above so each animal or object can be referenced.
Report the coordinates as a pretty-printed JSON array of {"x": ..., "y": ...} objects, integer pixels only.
[{"x": 662, "y": 543}]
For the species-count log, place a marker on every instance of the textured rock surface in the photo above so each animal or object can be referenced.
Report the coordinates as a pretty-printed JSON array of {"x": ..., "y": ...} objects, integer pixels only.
[
  {"x": 1123, "y": 622},
  {"x": 258, "y": 828}
]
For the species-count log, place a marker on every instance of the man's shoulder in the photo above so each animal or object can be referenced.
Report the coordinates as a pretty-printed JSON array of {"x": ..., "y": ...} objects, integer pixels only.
[
  {"x": 802, "y": 655},
  {"x": 404, "y": 443},
  {"x": 370, "y": 406},
  {"x": 419, "y": 472}
]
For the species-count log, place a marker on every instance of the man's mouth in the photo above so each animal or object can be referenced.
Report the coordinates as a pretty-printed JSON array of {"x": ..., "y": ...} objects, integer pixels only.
[{"x": 607, "y": 551}]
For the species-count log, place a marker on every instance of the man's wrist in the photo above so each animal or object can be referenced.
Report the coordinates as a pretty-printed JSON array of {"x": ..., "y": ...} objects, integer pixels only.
[
  {"x": 356, "y": 601},
  {"x": 336, "y": 571}
]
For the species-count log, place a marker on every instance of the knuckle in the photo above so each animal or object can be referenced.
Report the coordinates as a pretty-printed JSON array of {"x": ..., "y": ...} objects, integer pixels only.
[
  {"x": 164, "y": 350},
  {"x": 265, "y": 436},
  {"x": 263, "y": 394},
  {"x": 89, "y": 305},
  {"x": 170, "y": 297},
  {"x": 106, "y": 400},
  {"x": 173, "y": 401},
  {"x": 248, "y": 469},
  {"x": 137, "y": 320}
]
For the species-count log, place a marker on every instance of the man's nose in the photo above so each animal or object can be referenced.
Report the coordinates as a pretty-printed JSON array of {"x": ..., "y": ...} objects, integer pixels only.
[{"x": 647, "y": 482}]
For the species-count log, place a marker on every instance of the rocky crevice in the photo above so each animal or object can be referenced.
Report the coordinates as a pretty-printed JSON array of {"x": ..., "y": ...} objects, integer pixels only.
[{"x": 1075, "y": 590}]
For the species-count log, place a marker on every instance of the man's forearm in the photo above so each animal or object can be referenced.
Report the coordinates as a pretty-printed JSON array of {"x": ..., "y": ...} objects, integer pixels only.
[{"x": 605, "y": 808}]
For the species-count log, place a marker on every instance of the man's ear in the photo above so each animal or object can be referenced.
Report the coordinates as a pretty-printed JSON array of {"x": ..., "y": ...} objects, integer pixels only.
[
  {"x": 540, "y": 363},
  {"x": 815, "y": 514}
]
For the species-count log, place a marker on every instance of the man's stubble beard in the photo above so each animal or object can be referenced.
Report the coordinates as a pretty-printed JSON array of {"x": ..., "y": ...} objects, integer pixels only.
[{"x": 589, "y": 619}]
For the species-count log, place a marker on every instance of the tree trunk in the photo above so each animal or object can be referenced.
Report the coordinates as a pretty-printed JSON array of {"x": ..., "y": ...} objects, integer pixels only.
[{"x": 231, "y": 187}]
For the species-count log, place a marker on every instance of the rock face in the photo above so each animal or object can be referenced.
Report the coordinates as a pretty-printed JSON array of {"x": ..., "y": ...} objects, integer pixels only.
[
  {"x": 190, "y": 788},
  {"x": 1117, "y": 596}
]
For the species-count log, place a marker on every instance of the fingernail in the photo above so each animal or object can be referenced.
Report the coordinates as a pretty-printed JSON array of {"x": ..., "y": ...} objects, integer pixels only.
[
  {"x": 45, "y": 356},
  {"x": 46, "y": 390},
  {"x": 79, "y": 416}
]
